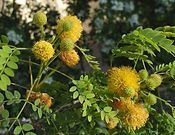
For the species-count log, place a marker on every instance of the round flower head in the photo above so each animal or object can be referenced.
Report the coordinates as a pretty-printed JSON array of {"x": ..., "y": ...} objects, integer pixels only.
[
  {"x": 69, "y": 27},
  {"x": 66, "y": 44},
  {"x": 133, "y": 116},
  {"x": 40, "y": 18},
  {"x": 70, "y": 58},
  {"x": 43, "y": 50},
  {"x": 123, "y": 80}
]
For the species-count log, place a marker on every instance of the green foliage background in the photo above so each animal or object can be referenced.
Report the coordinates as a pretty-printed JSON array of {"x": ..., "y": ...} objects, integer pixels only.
[{"x": 111, "y": 20}]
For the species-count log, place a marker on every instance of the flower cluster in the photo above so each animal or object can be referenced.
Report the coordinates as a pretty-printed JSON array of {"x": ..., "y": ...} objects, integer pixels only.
[
  {"x": 44, "y": 98},
  {"x": 69, "y": 30},
  {"x": 125, "y": 83}
]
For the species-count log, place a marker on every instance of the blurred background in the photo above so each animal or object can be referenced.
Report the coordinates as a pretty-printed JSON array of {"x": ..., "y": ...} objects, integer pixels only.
[{"x": 104, "y": 22}]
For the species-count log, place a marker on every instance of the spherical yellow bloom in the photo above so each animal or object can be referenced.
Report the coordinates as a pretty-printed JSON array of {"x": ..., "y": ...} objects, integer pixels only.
[
  {"x": 43, "y": 50},
  {"x": 120, "y": 79},
  {"x": 70, "y": 58},
  {"x": 133, "y": 116},
  {"x": 69, "y": 27}
]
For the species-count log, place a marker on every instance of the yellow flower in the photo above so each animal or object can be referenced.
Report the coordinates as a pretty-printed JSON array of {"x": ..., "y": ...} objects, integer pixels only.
[
  {"x": 122, "y": 79},
  {"x": 133, "y": 116},
  {"x": 44, "y": 98},
  {"x": 43, "y": 50},
  {"x": 70, "y": 58},
  {"x": 69, "y": 27}
]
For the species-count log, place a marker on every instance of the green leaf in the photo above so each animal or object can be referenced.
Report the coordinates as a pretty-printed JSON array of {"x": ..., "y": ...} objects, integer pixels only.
[
  {"x": 14, "y": 59},
  {"x": 75, "y": 94},
  {"x": 107, "y": 109},
  {"x": 173, "y": 111},
  {"x": 30, "y": 133},
  {"x": 5, "y": 114},
  {"x": 17, "y": 130},
  {"x": 5, "y": 79},
  {"x": 2, "y": 60},
  {"x": 3, "y": 86},
  {"x": 37, "y": 102},
  {"x": 9, "y": 72},
  {"x": 107, "y": 118},
  {"x": 3, "y": 54},
  {"x": 27, "y": 127},
  {"x": 84, "y": 113},
  {"x": 112, "y": 113},
  {"x": 10, "y": 102},
  {"x": 17, "y": 94},
  {"x": 1, "y": 98},
  {"x": 90, "y": 87},
  {"x": 102, "y": 115},
  {"x": 73, "y": 88},
  {"x": 7, "y": 49},
  {"x": 89, "y": 118},
  {"x": 81, "y": 99},
  {"x": 4, "y": 39},
  {"x": 16, "y": 52},
  {"x": 90, "y": 95},
  {"x": 88, "y": 102},
  {"x": 40, "y": 113},
  {"x": 34, "y": 108},
  {"x": 9, "y": 95},
  {"x": 12, "y": 65}
]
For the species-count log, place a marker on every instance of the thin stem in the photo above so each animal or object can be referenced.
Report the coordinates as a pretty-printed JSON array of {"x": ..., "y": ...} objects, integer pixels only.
[
  {"x": 49, "y": 69},
  {"x": 31, "y": 88},
  {"x": 21, "y": 127},
  {"x": 144, "y": 65},
  {"x": 50, "y": 74},
  {"x": 42, "y": 32},
  {"x": 160, "y": 101},
  {"x": 18, "y": 85},
  {"x": 30, "y": 71},
  {"x": 136, "y": 62},
  {"x": 54, "y": 125}
]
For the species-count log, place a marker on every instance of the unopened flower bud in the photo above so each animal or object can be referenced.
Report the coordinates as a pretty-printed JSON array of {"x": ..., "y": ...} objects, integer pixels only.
[
  {"x": 154, "y": 81},
  {"x": 129, "y": 92},
  {"x": 66, "y": 44},
  {"x": 67, "y": 25},
  {"x": 151, "y": 99},
  {"x": 40, "y": 18},
  {"x": 143, "y": 74}
]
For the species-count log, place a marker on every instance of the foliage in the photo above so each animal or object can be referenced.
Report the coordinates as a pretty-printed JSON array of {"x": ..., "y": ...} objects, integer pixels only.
[
  {"x": 54, "y": 102},
  {"x": 146, "y": 43}
]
